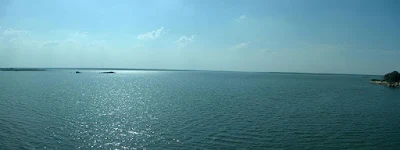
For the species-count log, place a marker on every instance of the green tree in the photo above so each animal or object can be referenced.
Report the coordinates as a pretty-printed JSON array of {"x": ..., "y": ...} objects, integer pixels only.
[{"x": 392, "y": 77}]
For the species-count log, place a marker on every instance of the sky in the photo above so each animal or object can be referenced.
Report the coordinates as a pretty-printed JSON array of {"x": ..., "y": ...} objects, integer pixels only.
[{"x": 315, "y": 36}]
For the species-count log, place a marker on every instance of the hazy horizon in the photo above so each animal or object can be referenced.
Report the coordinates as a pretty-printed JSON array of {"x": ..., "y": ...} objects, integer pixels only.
[
  {"x": 172, "y": 69},
  {"x": 344, "y": 37}
]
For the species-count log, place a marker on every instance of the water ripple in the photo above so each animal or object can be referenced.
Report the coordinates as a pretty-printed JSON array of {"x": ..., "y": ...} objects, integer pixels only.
[{"x": 195, "y": 110}]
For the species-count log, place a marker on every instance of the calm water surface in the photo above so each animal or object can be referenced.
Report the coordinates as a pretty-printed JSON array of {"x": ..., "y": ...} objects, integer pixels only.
[{"x": 195, "y": 109}]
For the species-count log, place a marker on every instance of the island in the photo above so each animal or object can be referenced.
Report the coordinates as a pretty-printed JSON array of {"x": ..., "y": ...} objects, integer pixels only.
[
  {"x": 108, "y": 72},
  {"x": 21, "y": 69},
  {"x": 390, "y": 80}
]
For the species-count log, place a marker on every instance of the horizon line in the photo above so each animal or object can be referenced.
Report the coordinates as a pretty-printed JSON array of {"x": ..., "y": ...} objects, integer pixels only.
[{"x": 153, "y": 69}]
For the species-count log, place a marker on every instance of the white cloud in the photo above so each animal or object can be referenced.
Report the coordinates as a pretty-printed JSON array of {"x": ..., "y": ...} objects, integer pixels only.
[
  {"x": 326, "y": 46},
  {"x": 240, "y": 18},
  {"x": 75, "y": 41},
  {"x": 184, "y": 40},
  {"x": 51, "y": 43},
  {"x": 96, "y": 44},
  {"x": 71, "y": 44},
  {"x": 13, "y": 39},
  {"x": 78, "y": 34},
  {"x": 241, "y": 45},
  {"x": 268, "y": 50},
  {"x": 152, "y": 34},
  {"x": 12, "y": 32},
  {"x": 265, "y": 50}
]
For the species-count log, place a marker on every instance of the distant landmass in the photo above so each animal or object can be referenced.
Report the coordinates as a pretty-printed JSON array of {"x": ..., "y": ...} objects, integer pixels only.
[
  {"x": 50, "y": 69},
  {"x": 108, "y": 72},
  {"x": 390, "y": 79},
  {"x": 21, "y": 69}
]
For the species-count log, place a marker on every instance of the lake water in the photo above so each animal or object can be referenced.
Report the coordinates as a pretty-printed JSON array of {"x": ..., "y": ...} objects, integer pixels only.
[{"x": 196, "y": 109}]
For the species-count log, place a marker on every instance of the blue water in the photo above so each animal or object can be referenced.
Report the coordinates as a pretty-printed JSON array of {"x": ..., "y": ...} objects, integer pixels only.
[{"x": 196, "y": 109}]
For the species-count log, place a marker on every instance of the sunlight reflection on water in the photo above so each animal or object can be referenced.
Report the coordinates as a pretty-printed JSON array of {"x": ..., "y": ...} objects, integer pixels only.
[{"x": 194, "y": 110}]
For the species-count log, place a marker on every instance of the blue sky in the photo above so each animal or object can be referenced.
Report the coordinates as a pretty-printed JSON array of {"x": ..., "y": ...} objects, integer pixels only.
[{"x": 338, "y": 36}]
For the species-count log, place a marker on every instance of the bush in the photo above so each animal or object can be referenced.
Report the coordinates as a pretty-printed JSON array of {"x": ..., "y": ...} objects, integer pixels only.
[{"x": 392, "y": 77}]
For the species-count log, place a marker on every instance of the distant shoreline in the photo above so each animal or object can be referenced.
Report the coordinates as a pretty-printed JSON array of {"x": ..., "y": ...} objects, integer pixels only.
[
  {"x": 51, "y": 69},
  {"x": 22, "y": 69},
  {"x": 142, "y": 69}
]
